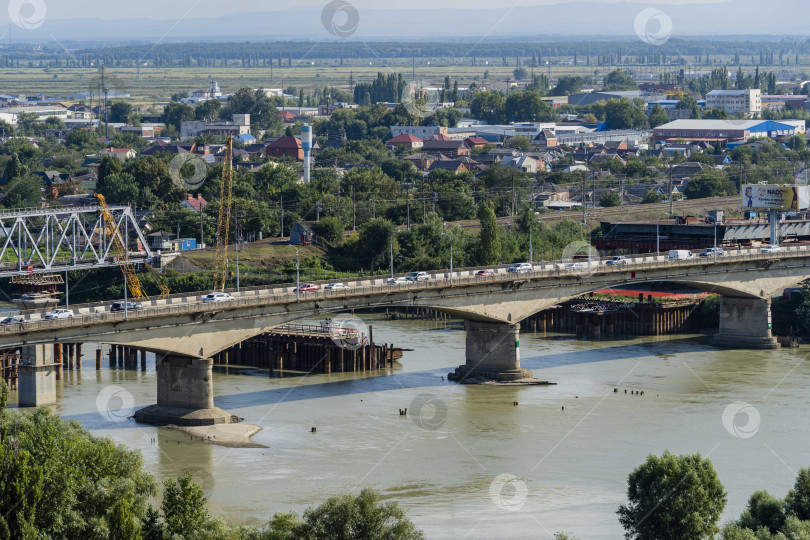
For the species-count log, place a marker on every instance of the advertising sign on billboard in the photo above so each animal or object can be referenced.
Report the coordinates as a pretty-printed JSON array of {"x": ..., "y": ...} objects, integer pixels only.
[{"x": 776, "y": 197}]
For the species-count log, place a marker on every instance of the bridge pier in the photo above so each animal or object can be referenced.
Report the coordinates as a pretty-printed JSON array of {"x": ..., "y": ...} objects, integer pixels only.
[
  {"x": 492, "y": 352},
  {"x": 185, "y": 394},
  {"x": 37, "y": 376},
  {"x": 745, "y": 324}
]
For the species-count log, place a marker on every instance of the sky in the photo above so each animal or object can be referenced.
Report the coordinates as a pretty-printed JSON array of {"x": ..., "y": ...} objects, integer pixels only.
[
  {"x": 161, "y": 9},
  {"x": 266, "y": 20}
]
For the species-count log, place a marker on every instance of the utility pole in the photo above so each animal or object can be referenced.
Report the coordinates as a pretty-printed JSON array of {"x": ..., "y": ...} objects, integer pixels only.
[
  {"x": 583, "y": 200},
  {"x": 297, "y": 278},
  {"x": 621, "y": 193},
  {"x": 670, "y": 189},
  {"x": 106, "y": 89},
  {"x": 281, "y": 209},
  {"x": 391, "y": 253},
  {"x": 354, "y": 211},
  {"x": 236, "y": 241},
  {"x": 202, "y": 239},
  {"x": 513, "y": 194},
  {"x": 373, "y": 208},
  {"x": 408, "y": 210}
]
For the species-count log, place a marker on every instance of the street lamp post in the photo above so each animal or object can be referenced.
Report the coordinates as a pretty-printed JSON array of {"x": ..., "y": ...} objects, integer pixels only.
[
  {"x": 297, "y": 278},
  {"x": 451, "y": 256}
]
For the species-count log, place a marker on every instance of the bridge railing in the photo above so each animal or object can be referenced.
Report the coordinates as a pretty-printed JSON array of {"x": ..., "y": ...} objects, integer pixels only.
[{"x": 285, "y": 294}]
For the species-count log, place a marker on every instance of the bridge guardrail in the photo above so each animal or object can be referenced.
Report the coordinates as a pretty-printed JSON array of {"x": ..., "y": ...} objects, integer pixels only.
[{"x": 193, "y": 304}]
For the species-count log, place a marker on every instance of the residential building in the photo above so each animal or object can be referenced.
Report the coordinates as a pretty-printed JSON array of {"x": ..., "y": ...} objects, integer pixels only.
[
  {"x": 524, "y": 163},
  {"x": 196, "y": 204},
  {"x": 747, "y": 102},
  {"x": 286, "y": 147},
  {"x": 447, "y": 147},
  {"x": 725, "y": 131},
  {"x": 238, "y": 126},
  {"x": 405, "y": 140},
  {"x": 302, "y": 233},
  {"x": 121, "y": 153},
  {"x": 421, "y": 132}
]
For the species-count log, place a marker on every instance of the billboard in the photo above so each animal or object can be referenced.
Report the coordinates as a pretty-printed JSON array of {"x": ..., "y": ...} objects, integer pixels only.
[{"x": 775, "y": 197}]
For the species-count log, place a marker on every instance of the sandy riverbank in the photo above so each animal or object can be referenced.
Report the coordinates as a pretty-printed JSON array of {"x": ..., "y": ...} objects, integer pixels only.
[{"x": 230, "y": 435}]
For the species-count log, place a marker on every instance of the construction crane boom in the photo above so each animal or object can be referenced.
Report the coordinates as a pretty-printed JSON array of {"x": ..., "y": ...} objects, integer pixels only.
[
  {"x": 224, "y": 220},
  {"x": 118, "y": 246}
]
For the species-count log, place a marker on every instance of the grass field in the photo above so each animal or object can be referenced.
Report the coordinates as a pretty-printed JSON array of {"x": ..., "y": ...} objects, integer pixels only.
[{"x": 158, "y": 84}]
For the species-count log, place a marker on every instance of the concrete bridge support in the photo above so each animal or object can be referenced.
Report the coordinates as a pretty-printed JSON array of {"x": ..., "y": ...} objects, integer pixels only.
[
  {"x": 492, "y": 352},
  {"x": 185, "y": 394},
  {"x": 37, "y": 375},
  {"x": 745, "y": 324}
]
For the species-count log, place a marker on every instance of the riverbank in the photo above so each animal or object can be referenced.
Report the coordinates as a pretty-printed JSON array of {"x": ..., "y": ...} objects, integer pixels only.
[{"x": 228, "y": 435}]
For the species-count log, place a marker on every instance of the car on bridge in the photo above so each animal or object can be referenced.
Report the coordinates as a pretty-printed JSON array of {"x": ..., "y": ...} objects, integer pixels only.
[
  {"x": 520, "y": 268},
  {"x": 418, "y": 276},
  {"x": 217, "y": 297},
  {"x": 307, "y": 287},
  {"x": 336, "y": 287},
  {"x": 125, "y": 306},
  {"x": 59, "y": 314},
  {"x": 486, "y": 272},
  {"x": 399, "y": 281},
  {"x": 773, "y": 248},
  {"x": 710, "y": 252},
  {"x": 14, "y": 319},
  {"x": 616, "y": 260}
]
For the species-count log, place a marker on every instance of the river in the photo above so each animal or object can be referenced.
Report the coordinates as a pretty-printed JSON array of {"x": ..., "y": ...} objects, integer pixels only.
[{"x": 466, "y": 462}]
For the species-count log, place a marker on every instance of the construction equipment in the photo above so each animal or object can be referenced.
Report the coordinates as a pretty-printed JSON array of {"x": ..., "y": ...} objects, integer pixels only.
[
  {"x": 119, "y": 246},
  {"x": 224, "y": 220}
]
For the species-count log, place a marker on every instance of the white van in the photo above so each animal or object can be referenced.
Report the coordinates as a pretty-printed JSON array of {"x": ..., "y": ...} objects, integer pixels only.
[{"x": 679, "y": 254}]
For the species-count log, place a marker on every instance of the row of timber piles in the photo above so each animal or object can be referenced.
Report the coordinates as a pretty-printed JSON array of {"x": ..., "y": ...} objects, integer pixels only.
[
  {"x": 605, "y": 318},
  {"x": 298, "y": 350},
  {"x": 124, "y": 358},
  {"x": 412, "y": 312},
  {"x": 10, "y": 360}
]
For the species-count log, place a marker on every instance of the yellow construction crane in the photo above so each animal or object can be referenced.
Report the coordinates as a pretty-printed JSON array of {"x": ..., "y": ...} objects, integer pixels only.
[
  {"x": 223, "y": 223},
  {"x": 118, "y": 246}
]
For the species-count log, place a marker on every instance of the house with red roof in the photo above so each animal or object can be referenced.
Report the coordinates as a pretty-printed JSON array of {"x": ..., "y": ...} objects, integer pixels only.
[
  {"x": 475, "y": 142},
  {"x": 287, "y": 117},
  {"x": 197, "y": 204},
  {"x": 286, "y": 147},
  {"x": 406, "y": 140}
]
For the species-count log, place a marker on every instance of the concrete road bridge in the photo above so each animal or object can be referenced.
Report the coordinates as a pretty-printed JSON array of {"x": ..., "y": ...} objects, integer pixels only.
[{"x": 186, "y": 332}]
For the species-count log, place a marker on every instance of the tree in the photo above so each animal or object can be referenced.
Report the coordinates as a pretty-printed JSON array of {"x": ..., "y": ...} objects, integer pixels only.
[
  {"x": 763, "y": 510},
  {"x": 651, "y": 196},
  {"x": 609, "y": 198},
  {"x": 567, "y": 85},
  {"x": 257, "y": 104},
  {"x": 330, "y": 231},
  {"x": 688, "y": 103},
  {"x": 673, "y": 497},
  {"x": 519, "y": 142},
  {"x": 624, "y": 114},
  {"x": 82, "y": 141},
  {"x": 347, "y": 517},
  {"x": 619, "y": 80},
  {"x": 208, "y": 110},
  {"x": 797, "y": 143},
  {"x": 527, "y": 107},
  {"x": 489, "y": 241},
  {"x": 175, "y": 113},
  {"x": 14, "y": 168},
  {"x": 119, "y": 110},
  {"x": 658, "y": 116},
  {"x": 797, "y": 501},
  {"x": 489, "y": 106},
  {"x": 23, "y": 192},
  {"x": 520, "y": 73},
  {"x": 709, "y": 183},
  {"x": 183, "y": 507},
  {"x": 373, "y": 239}
]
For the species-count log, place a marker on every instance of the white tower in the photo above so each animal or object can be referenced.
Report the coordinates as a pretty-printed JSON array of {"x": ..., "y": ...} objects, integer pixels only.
[{"x": 306, "y": 144}]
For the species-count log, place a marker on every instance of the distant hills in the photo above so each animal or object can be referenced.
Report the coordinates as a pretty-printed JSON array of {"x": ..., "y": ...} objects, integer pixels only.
[{"x": 589, "y": 19}]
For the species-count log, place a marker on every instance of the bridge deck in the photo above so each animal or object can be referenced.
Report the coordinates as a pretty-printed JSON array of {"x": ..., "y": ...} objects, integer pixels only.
[{"x": 261, "y": 296}]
